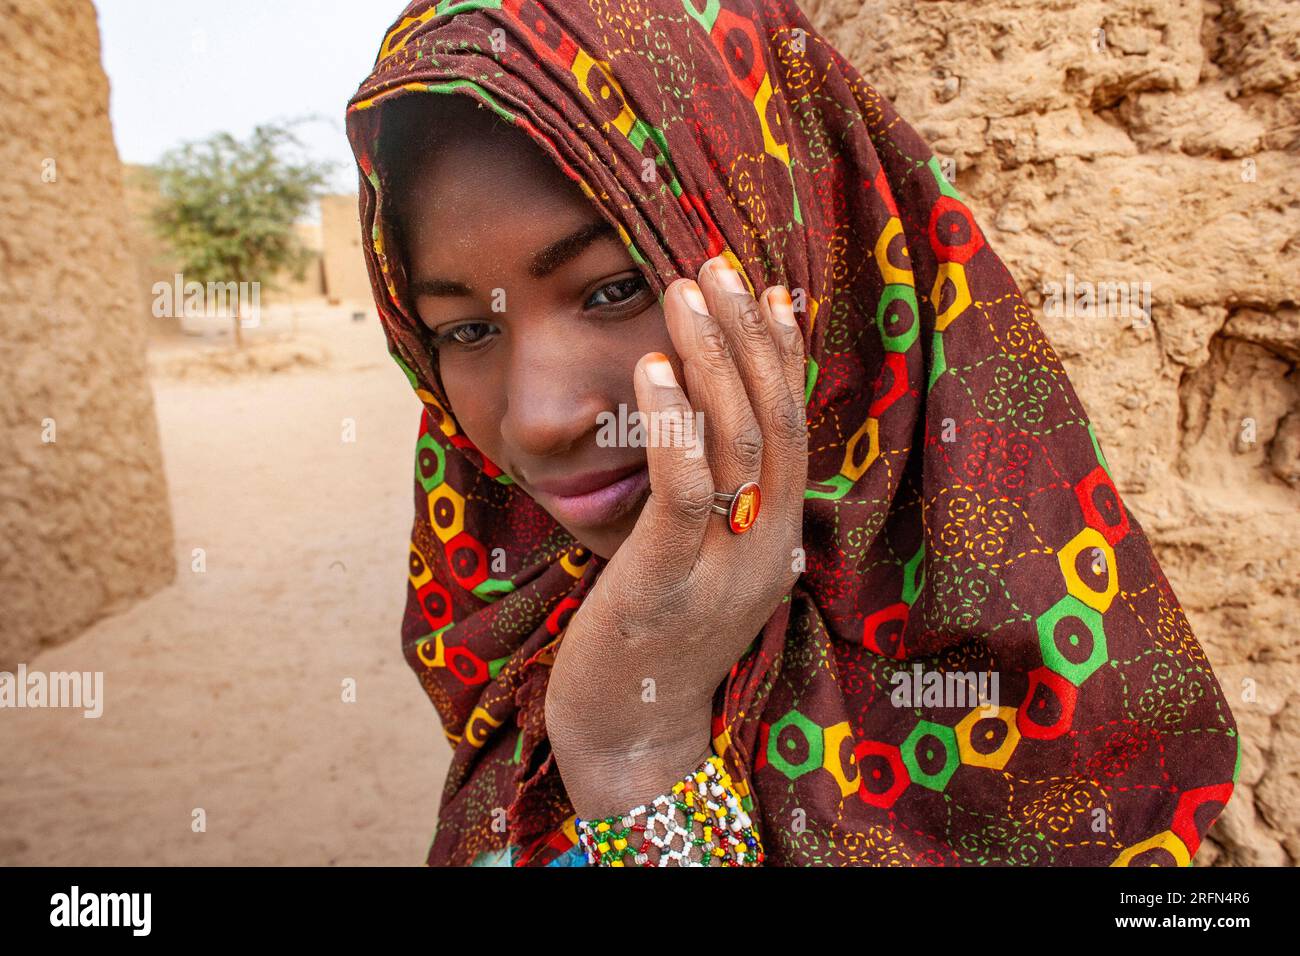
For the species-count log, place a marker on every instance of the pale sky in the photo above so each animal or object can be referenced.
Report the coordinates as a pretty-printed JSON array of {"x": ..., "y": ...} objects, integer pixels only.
[{"x": 183, "y": 69}]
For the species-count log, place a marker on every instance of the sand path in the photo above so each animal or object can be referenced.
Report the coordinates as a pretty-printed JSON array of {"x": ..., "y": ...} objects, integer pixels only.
[{"x": 224, "y": 691}]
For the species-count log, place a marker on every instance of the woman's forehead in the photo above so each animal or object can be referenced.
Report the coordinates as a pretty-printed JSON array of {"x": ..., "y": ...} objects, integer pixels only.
[
  {"x": 429, "y": 142},
  {"x": 418, "y": 128},
  {"x": 502, "y": 193}
]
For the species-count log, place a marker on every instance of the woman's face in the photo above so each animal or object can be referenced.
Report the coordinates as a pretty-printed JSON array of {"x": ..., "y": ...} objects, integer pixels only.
[{"x": 540, "y": 316}]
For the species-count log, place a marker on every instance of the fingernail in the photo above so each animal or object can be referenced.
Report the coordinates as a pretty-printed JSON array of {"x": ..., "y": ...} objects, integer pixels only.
[
  {"x": 782, "y": 306},
  {"x": 694, "y": 297},
  {"x": 660, "y": 371},
  {"x": 729, "y": 277}
]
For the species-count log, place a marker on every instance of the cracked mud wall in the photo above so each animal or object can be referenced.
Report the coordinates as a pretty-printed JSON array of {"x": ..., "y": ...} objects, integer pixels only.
[
  {"x": 1163, "y": 149},
  {"x": 85, "y": 521}
]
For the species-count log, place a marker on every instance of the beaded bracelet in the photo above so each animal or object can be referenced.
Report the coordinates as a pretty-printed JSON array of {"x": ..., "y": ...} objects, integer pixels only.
[{"x": 703, "y": 809}]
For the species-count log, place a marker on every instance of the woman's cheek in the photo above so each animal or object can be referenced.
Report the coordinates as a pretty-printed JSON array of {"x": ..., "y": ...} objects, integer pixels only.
[{"x": 470, "y": 390}]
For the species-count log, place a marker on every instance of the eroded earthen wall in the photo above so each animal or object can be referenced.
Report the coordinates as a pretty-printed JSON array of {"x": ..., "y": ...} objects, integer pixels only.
[{"x": 85, "y": 525}]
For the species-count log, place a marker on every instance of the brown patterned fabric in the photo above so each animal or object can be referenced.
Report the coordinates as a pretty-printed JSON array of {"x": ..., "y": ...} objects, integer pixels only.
[{"x": 961, "y": 522}]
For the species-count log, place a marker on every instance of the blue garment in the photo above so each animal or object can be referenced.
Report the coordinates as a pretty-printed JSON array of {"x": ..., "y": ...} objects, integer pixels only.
[
  {"x": 505, "y": 857},
  {"x": 572, "y": 857}
]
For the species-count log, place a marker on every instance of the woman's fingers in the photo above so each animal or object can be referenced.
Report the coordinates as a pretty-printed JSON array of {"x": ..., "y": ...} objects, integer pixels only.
[
  {"x": 788, "y": 338},
  {"x": 761, "y": 348},
  {"x": 667, "y": 536},
  {"x": 732, "y": 436}
]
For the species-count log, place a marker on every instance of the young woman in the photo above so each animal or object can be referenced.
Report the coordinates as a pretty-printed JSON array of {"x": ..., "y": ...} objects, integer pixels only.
[{"x": 742, "y": 455}]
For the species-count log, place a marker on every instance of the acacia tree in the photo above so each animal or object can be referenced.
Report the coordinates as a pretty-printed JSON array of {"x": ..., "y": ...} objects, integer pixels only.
[{"x": 227, "y": 207}]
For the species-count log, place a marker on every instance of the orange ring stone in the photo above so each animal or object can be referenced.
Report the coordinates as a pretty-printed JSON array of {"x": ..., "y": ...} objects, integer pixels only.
[{"x": 744, "y": 507}]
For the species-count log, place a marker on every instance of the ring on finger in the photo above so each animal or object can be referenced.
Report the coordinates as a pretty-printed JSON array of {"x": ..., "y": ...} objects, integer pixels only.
[{"x": 740, "y": 507}]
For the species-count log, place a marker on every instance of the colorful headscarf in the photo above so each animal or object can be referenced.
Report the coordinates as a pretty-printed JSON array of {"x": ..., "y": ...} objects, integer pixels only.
[{"x": 960, "y": 517}]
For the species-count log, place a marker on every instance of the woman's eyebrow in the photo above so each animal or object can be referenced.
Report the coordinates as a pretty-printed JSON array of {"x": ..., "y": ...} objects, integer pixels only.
[
  {"x": 563, "y": 250},
  {"x": 438, "y": 287},
  {"x": 543, "y": 263}
]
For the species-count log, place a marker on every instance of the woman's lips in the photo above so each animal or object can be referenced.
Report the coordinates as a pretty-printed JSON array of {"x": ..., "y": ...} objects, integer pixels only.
[{"x": 593, "y": 499}]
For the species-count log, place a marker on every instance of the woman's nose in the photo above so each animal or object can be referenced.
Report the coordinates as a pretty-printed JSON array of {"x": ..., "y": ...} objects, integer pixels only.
[{"x": 554, "y": 399}]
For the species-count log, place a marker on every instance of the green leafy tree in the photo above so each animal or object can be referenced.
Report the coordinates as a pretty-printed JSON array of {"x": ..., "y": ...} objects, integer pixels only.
[{"x": 227, "y": 207}]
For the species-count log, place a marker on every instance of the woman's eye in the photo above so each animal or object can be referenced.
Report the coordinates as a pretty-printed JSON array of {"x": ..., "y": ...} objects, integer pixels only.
[
  {"x": 468, "y": 334},
  {"x": 618, "y": 291}
]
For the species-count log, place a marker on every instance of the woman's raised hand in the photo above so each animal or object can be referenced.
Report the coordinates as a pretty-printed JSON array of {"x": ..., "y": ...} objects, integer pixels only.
[{"x": 630, "y": 696}]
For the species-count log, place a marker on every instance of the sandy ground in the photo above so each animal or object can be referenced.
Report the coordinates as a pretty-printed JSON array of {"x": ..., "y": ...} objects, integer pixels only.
[{"x": 224, "y": 691}]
